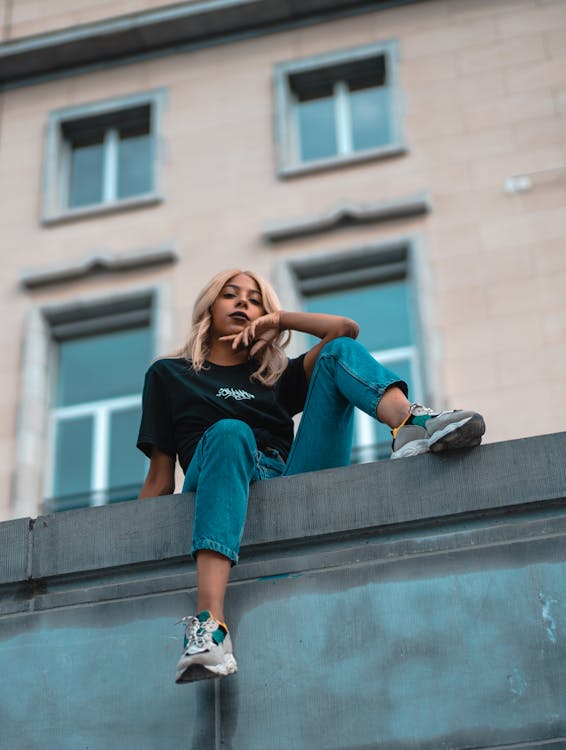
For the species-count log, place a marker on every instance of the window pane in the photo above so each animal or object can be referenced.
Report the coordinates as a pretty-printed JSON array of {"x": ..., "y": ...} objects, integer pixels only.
[
  {"x": 317, "y": 128},
  {"x": 127, "y": 464},
  {"x": 135, "y": 162},
  {"x": 102, "y": 366},
  {"x": 87, "y": 159},
  {"x": 371, "y": 117},
  {"x": 383, "y": 312},
  {"x": 73, "y": 462}
]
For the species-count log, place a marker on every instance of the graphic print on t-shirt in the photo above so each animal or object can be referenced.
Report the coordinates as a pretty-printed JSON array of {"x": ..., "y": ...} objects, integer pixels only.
[
  {"x": 236, "y": 393},
  {"x": 180, "y": 404}
]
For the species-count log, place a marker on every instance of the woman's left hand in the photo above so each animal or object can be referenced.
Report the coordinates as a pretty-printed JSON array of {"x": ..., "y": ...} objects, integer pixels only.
[{"x": 257, "y": 335}]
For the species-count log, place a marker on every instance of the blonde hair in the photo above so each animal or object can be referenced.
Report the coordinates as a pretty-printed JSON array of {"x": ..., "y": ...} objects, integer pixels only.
[{"x": 272, "y": 360}]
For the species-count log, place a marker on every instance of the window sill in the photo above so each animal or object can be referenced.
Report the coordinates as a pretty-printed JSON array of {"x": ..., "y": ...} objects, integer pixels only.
[
  {"x": 342, "y": 161},
  {"x": 101, "y": 209}
]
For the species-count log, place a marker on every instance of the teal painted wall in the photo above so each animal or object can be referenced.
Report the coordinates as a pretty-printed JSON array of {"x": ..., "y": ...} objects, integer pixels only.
[{"x": 443, "y": 632}]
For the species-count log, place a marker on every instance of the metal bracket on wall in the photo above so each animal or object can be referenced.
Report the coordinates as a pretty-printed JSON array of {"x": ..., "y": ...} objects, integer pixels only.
[{"x": 522, "y": 183}]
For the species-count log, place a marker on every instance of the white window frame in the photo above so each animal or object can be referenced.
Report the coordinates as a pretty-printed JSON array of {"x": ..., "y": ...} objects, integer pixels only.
[
  {"x": 287, "y": 126},
  {"x": 101, "y": 411},
  {"x": 57, "y": 165}
]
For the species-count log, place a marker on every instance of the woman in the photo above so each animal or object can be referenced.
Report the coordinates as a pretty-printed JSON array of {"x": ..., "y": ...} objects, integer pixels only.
[{"x": 225, "y": 407}]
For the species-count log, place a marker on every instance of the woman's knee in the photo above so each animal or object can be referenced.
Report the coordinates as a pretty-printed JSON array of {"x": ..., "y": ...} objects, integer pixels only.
[
  {"x": 339, "y": 345},
  {"x": 234, "y": 432}
]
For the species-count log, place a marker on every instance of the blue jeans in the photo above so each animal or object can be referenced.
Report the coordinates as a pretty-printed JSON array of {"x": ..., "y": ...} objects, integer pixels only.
[{"x": 227, "y": 460}]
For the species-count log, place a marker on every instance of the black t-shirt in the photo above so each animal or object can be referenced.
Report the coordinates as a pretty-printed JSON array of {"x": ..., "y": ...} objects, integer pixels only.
[{"x": 179, "y": 405}]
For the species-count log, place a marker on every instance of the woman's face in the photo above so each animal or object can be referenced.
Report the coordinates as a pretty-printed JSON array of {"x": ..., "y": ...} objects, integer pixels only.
[{"x": 238, "y": 303}]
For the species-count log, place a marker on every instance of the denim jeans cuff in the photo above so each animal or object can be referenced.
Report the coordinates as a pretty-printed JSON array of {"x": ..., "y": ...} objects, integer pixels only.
[
  {"x": 206, "y": 543},
  {"x": 397, "y": 384}
]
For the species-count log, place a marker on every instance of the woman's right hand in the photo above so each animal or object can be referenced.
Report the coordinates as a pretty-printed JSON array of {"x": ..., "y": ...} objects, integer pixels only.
[{"x": 257, "y": 335}]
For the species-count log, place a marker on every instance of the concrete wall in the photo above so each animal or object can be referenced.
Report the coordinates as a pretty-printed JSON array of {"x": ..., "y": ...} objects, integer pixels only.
[
  {"x": 417, "y": 604},
  {"x": 484, "y": 90}
]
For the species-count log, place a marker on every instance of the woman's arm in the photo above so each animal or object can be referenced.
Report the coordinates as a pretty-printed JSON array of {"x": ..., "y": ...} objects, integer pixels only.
[
  {"x": 160, "y": 478},
  {"x": 318, "y": 324},
  {"x": 326, "y": 327}
]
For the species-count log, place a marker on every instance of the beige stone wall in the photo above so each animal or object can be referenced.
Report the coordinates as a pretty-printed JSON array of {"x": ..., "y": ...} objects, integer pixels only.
[{"x": 484, "y": 83}]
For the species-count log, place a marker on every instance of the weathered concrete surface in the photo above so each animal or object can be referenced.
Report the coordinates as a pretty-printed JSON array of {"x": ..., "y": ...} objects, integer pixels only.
[
  {"x": 491, "y": 479},
  {"x": 14, "y": 550},
  {"x": 413, "y": 604}
]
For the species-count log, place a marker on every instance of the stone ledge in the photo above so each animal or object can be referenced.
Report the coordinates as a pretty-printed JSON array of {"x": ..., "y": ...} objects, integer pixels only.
[
  {"x": 14, "y": 548},
  {"x": 434, "y": 582},
  {"x": 349, "y": 213},
  {"x": 293, "y": 512},
  {"x": 463, "y": 545},
  {"x": 99, "y": 263},
  {"x": 189, "y": 23}
]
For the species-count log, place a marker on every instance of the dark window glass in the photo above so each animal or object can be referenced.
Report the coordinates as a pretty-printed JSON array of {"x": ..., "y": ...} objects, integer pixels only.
[
  {"x": 87, "y": 168},
  {"x": 317, "y": 128},
  {"x": 102, "y": 366},
  {"x": 127, "y": 464},
  {"x": 383, "y": 312},
  {"x": 135, "y": 161},
  {"x": 370, "y": 114},
  {"x": 73, "y": 461}
]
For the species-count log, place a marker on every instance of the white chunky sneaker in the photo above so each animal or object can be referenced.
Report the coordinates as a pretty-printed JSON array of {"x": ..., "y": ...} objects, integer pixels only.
[
  {"x": 426, "y": 430},
  {"x": 207, "y": 650}
]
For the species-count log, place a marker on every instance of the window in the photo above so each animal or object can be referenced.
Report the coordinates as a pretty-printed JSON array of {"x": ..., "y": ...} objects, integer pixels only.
[
  {"x": 102, "y": 156},
  {"x": 99, "y": 362},
  {"x": 109, "y": 158},
  {"x": 373, "y": 288},
  {"x": 338, "y": 107}
]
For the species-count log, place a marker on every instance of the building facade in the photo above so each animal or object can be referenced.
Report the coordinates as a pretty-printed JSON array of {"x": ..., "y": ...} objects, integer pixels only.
[{"x": 402, "y": 163}]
